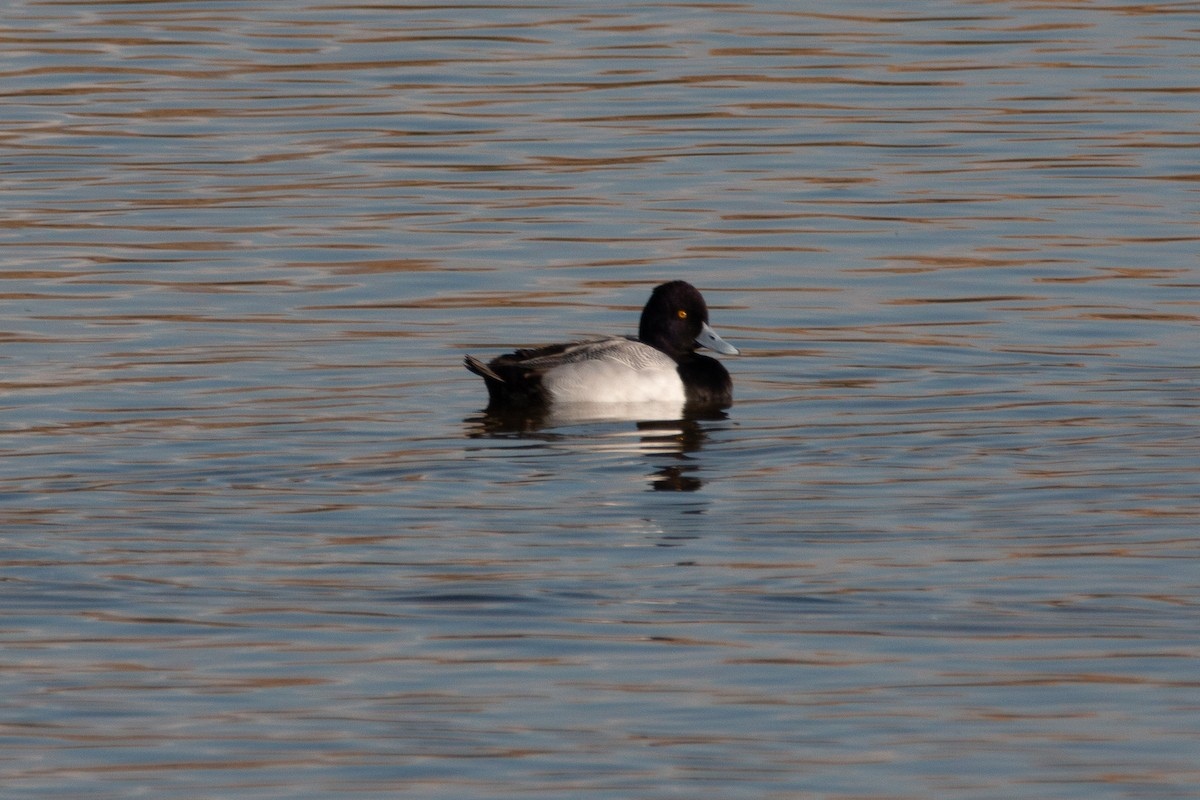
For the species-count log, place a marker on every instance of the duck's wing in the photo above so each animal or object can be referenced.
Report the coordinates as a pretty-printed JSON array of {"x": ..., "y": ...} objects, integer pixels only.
[{"x": 619, "y": 349}]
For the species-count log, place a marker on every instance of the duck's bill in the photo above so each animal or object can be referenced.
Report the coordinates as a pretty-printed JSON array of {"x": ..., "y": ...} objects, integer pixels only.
[{"x": 708, "y": 338}]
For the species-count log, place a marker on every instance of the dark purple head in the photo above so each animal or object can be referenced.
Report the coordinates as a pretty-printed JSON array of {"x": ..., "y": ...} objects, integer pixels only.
[{"x": 675, "y": 321}]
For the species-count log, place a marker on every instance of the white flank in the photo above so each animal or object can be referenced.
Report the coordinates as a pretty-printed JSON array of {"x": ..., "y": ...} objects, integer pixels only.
[{"x": 607, "y": 380}]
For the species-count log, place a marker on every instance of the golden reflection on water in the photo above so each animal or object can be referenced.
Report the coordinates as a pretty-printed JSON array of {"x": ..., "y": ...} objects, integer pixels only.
[{"x": 258, "y": 538}]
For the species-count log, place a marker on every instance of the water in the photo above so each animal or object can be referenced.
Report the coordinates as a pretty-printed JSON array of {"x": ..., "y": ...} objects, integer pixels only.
[{"x": 258, "y": 539}]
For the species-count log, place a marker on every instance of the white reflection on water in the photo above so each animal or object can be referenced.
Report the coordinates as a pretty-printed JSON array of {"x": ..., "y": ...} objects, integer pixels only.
[{"x": 258, "y": 538}]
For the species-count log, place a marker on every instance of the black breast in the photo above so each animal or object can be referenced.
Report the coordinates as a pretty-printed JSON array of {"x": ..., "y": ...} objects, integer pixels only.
[{"x": 706, "y": 384}]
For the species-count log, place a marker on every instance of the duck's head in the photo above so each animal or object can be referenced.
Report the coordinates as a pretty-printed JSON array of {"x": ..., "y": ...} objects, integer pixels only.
[{"x": 675, "y": 321}]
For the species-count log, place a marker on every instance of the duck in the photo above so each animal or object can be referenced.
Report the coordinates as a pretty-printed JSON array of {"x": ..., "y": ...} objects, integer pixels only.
[{"x": 659, "y": 366}]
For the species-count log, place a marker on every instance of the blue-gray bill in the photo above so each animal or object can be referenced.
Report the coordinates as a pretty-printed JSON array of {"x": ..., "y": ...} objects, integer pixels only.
[{"x": 708, "y": 338}]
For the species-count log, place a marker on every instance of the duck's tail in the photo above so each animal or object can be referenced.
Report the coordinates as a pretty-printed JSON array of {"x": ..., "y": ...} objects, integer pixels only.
[{"x": 481, "y": 369}]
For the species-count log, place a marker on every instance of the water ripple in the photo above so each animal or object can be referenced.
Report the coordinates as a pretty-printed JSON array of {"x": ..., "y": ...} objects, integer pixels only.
[{"x": 258, "y": 538}]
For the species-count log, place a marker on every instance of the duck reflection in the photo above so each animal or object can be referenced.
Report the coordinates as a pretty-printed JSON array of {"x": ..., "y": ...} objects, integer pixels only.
[
  {"x": 669, "y": 441},
  {"x": 679, "y": 439}
]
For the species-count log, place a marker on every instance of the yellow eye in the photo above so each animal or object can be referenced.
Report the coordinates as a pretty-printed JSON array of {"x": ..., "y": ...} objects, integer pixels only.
[{"x": 682, "y": 314}]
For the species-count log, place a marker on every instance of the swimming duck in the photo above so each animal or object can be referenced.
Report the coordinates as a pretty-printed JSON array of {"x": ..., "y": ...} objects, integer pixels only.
[{"x": 660, "y": 366}]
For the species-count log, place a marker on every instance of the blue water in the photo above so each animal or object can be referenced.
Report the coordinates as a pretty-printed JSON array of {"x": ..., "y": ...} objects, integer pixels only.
[{"x": 258, "y": 539}]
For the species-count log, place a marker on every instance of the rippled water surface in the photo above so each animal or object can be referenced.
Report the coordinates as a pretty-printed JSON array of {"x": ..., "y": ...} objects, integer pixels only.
[{"x": 259, "y": 540}]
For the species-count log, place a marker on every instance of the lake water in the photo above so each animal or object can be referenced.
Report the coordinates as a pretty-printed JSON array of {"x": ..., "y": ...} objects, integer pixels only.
[{"x": 259, "y": 541}]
